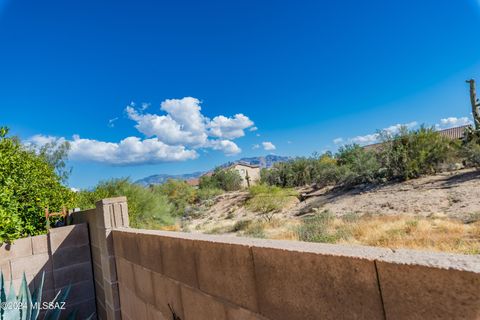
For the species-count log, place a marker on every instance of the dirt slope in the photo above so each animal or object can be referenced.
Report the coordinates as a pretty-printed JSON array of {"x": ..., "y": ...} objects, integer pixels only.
[{"x": 452, "y": 194}]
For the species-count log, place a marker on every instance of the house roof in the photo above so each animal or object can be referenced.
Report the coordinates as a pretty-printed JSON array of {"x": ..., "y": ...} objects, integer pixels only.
[
  {"x": 193, "y": 182},
  {"x": 454, "y": 133},
  {"x": 245, "y": 164}
]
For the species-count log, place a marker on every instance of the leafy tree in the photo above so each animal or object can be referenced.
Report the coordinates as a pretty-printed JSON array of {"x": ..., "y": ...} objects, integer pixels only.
[
  {"x": 28, "y": 184},
  {"x": 56, "y": 154},
  {"x": 147, "y": 207},
  {"x": 268, "y": 200}
]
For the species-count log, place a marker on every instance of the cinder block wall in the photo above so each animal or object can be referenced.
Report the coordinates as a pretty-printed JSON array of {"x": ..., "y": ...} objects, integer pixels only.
[
  {"x": 108, "y": 214},
  {"x": 203, "y": 277},
  {"x": 64, "y": 255}
]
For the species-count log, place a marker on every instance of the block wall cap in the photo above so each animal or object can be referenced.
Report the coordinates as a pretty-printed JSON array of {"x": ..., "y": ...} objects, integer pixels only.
[
  {"x": 401, "y": 256},
  {"x": 355, "y": 251},
  {"x": 112, "y": 200},
  {"x": 441, "y": 260}
]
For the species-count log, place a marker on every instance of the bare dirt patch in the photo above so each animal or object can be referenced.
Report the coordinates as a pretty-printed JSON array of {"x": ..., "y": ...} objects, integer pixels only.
[{"x": 455, "y": 195}]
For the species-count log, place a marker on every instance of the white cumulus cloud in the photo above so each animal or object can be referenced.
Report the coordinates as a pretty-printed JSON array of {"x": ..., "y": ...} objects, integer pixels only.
[
  {"x": 374, "y": 137},
  {"x": 452, "y": 122},
  {"x": 183, "y": 123},
  {"x": 268, "y": 146},
  {"x": 129, "y": 151},
  {"x": 228, "y": 147},
  {"x": 175, "y": 134},
  {"x": 165, "y": 128},
  {"x": 229, "y": 128}
]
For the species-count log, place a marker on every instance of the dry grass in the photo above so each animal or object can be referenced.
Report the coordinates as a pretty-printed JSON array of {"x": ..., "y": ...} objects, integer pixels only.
[
  {"x": 437, "y": 234},
  {"x": 174, "y": 227},
  {"x": 428, "y": 233},
  {"x": 434, "y": 233}
]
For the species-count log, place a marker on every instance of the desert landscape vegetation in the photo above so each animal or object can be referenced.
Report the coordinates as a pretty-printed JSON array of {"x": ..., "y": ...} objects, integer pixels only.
[
  {"x": 416, "y": 189},
  {"x": 234, "y": 160}
]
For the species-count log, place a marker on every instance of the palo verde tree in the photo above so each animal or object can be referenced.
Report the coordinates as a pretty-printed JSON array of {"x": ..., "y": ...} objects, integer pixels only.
[{"x": 28, "y": 184}]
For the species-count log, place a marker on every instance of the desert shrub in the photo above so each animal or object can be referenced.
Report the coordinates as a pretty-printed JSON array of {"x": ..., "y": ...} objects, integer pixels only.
[
  {"x": 317, "y": 228},
  {"x": 350, "y": 217},
  {"x": 359, "y": 165},
  {"x": 208, "y": 193},
  {"x": 281, "y": 174},
  {"x": 219, "y": 230},
  {"x": 179, "y": 193},
  {"x": 412, "y": 153},
  {"x": 228, "y": 180},
  {"x": 147, "y": 207},
  {"x": 207, "y": 182},
  {"x": 194, "y": 212},
  {"x": 255, "y": 229},
  {"x": 302, "y": 171},
  {"x": 225, "y": 179},
  {"x": 327, "y": 171},
  {"x": 241, "y": 225},
  {"x": 268, "y": 200},
  {"x": 28, "y": 184},
  {"x": 471, "y": 152}
]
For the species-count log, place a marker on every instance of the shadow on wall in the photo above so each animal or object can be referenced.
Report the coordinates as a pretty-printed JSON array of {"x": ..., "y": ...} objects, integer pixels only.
[{"x": 64, "y": 255}]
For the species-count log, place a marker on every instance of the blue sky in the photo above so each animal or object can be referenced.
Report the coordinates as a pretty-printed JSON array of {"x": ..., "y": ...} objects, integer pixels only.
[{"x": 303, "y": 73}]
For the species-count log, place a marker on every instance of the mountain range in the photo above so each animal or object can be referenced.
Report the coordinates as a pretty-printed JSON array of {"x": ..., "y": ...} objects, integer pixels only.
[{"x": 264, "y": 162}]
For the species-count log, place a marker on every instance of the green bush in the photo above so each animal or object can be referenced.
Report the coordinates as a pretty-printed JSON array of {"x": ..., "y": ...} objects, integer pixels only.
[
  {"x": 268, "y": 200},
  {"x": 327, "y": 171},
  {"x": 255, "y": 229},
  {"x": 147, "y": 207},
  {"x": 225, "y": 179},
  {"x": 179, "y": 193},
  {"x": 471, "y": 151},
  {"x": 241, "y": 225},
  {"x": 28, "y": 185},
  {"x": 208, "y": 193},
  {"x": 316, "y": 228},
  {"x": 410, "y": 154},
  {"x": 359, "y": 165},
  {"x": 322, "y": 170}
]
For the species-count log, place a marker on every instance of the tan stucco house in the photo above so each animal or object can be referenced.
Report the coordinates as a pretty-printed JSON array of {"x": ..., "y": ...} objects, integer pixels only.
[{"x": 249, "y": 173}]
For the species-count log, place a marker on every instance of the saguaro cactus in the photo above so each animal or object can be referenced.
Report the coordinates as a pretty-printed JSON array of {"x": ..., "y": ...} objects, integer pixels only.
[{"x": 475, "y": 104}]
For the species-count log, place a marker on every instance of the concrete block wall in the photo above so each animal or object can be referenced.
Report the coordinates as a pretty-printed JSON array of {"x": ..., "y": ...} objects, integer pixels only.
[
  {"x": 64, "y": 255},
  {"x": 202, "y": 277},
  {"x": 108, "y": 214}
]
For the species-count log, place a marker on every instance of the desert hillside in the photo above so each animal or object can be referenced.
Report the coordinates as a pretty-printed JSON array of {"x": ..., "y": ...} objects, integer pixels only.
[
  {"x": 453, "y": 194},
  {"x": 446, "y": 203}
]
